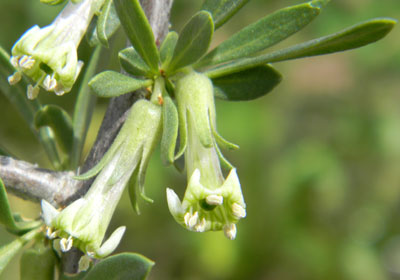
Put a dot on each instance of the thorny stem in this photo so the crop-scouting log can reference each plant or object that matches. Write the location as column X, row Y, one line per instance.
column 59, row 188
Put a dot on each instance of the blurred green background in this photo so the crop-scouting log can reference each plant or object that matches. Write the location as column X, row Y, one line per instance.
column 319, row 161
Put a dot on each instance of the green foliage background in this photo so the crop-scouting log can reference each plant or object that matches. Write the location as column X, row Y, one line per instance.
column 319, row 161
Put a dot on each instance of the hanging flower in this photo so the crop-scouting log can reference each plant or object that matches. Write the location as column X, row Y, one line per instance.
column 210, row 201
column 84, row 222
column 48, row 55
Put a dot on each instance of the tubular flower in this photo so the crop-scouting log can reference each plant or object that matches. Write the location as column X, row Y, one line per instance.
column 210, row 201
column 48, row 55
column 84, row 222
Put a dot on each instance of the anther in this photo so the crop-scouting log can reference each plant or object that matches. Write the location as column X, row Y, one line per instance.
column 193, row 220
column 32, row 92
column 14, row 78
column 230, row 231
column 214, row 199
column 26, row 62
column 66, row 244
column 238, row 211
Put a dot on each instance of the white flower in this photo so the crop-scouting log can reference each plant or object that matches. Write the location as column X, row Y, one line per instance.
column 84, row 222
column 48, row 55
column 210, row 201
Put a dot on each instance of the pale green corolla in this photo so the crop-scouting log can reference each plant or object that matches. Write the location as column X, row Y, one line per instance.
column 83, row 223
column 48, row 55
column 210, row 201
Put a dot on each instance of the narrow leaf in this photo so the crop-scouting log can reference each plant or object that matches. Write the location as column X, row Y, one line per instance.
column 27, row 108
column 8, row 219
column 353, row 37
column 350, row 38
column 111, row 84
column 7, row 252
column 38, row 263
column 138, row 30
column 60, row 123
column 83, row 111
column 125, row 266
column 132, row 62
column 246, row 85
column 168, row 46
column 170, row 131
column 262, row 34
column 222, row 10
column 107, row 22
column 193, row 41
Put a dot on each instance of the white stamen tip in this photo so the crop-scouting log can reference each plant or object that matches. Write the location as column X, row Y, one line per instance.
column 200, row 227
column 50, row 233
column 14, row 61
column 66, row 244
column 14, row 78
column 187, row 218
column 49, row 83
column 32, row 92
column 214, row 199
column 230, row 231
column 193, row 220
column 59, row 92
column 26, row 62
column 238, row 210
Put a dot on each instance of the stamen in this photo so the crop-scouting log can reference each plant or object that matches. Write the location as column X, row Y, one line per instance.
column 214, row 199
column 59, row 92
column 66, row 244
column 187, row 218
column 49, row 83
column 230, row 231
column 238, row 211
column 14, row 61
column 14, row 78
column 200, row 227
column 26, row 62
column 32, row 91
column 50, row 233
column 193, row 220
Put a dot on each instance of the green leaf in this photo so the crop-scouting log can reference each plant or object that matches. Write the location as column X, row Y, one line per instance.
column 59, row 122
column 4, row 151
column 125, row 266
column 353, row 37
column 222, row 10
column 262, row 34
column 27, row 108
column 168, row 46
column 132, row 62
column 193, row 41
column 170, row 131
column 8, row 251
column 138, row 30
column 7, row 218
column 107, row 22
column 83, row 111
column 111, row 84
column 246, row 85
column 350, row 38
column 37, row 263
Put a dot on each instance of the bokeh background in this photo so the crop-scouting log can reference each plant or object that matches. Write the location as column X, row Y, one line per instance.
column 319, row 161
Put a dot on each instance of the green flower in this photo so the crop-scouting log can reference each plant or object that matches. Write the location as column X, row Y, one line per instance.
column 84, row 222
column 48, row 55
column 210, row 201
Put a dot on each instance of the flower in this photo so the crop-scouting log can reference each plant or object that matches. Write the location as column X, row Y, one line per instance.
column 84, row 222
column 210, row 201
column 48, row 55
